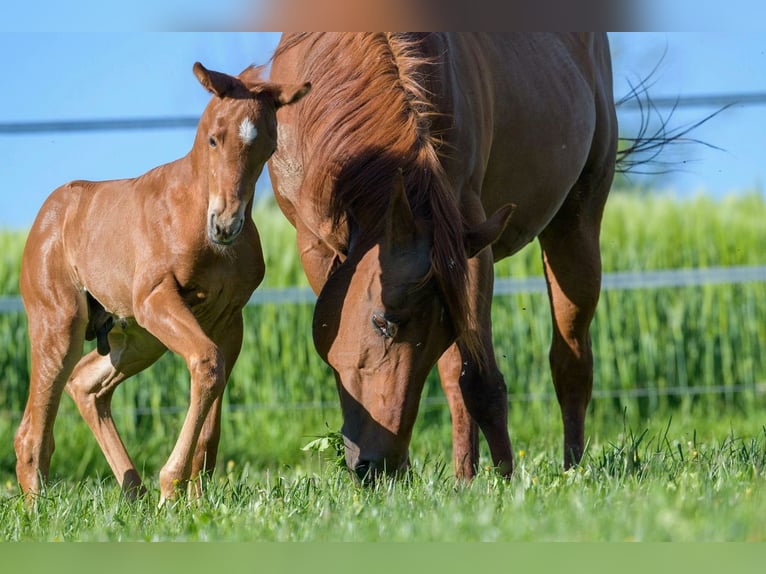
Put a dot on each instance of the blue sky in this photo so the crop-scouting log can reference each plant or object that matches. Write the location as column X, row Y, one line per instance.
column 69, row 76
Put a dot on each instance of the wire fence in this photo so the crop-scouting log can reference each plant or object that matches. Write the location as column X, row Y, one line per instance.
column 668, row 278
column 676, row 278
column 190, row 122
column 643, row 391
column 624, row 280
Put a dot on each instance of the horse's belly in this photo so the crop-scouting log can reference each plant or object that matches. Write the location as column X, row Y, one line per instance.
column 537, row 187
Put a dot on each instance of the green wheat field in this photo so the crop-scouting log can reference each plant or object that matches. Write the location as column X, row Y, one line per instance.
column 676, row 430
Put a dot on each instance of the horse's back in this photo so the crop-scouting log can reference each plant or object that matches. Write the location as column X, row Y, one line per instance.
column 517, row 118
column 541, row 111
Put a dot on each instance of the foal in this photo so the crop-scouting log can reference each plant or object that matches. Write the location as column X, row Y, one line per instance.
column 163, row 261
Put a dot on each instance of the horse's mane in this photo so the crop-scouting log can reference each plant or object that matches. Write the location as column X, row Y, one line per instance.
column 377, row 114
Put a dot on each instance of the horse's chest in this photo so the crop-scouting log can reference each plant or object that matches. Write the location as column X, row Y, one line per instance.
column 218, row 288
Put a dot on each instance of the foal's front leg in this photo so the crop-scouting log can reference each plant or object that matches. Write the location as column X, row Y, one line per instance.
column 206, row 452
column 162, row 312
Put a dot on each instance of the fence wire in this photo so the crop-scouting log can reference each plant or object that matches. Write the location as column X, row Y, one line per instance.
column 673, row 278
column 621, row 280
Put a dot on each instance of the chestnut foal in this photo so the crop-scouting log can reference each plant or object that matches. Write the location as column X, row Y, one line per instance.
column 164, row 261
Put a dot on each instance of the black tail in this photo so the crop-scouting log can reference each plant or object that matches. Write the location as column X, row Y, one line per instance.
column 642, row 154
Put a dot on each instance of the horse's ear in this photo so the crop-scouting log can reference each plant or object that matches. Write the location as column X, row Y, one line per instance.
column 400, row 223
column 489, row 231
column 214, row 82
column 286, row 95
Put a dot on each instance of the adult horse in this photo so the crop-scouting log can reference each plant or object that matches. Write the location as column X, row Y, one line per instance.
column 416, row 162
column 163, row 261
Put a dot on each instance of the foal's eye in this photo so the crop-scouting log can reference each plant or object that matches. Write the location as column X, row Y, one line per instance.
column 387, row 328
column 212, row 141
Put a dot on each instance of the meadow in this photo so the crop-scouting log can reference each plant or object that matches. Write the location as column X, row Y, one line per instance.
column 676, row 430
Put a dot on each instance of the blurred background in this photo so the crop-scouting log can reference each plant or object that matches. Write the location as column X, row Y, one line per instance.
column 113, row 105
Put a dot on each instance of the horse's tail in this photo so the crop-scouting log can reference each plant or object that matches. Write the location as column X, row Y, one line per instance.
column 642, row 154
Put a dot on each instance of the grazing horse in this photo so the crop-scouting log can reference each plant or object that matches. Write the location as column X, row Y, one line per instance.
column 416, row 162
column 163, row 261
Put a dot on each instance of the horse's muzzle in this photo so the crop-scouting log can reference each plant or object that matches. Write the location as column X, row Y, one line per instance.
column 369, row 469
column 223, row 232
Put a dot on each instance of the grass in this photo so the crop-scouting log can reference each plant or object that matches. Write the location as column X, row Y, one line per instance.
column 676, row 437
column 660, row 484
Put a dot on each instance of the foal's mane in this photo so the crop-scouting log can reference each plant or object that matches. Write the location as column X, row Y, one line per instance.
column 374, row 110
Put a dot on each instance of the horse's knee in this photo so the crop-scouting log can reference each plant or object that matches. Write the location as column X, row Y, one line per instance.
column 208, row 372
column 78, row 391
column 485, row 394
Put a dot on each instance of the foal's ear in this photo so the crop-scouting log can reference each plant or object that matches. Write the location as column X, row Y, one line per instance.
column 489, row 231
column 214, row 82
column 285, row 95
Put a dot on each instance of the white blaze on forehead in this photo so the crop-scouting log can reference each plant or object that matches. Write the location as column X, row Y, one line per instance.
column 247, row 131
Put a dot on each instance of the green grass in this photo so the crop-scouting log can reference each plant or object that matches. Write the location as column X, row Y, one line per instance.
column 693, row 355
column 664, row 483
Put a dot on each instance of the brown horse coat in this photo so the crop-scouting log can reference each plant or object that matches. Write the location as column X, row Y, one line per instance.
column 163, row 261
column 417, row 161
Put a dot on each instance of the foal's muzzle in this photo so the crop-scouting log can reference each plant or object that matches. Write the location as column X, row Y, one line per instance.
column 223, row 231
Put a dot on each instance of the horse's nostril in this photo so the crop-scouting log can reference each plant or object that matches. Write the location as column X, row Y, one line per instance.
column 222, row 232
column 362, row 470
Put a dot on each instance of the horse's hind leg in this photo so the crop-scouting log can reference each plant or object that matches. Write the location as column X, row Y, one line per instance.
column 465, row 431
column 572, row 262
column 56, row 331
column 91, row 386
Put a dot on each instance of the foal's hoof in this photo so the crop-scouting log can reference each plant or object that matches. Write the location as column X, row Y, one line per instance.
column 170, row 489
column 132, row 487
column 134, row 492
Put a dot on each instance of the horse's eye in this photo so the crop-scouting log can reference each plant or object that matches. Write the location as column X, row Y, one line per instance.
column 212, row 141
column 387, row 328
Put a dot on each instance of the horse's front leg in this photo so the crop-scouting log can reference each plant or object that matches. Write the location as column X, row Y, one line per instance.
column 481, row 383
column 206, row 452
column 162, row 312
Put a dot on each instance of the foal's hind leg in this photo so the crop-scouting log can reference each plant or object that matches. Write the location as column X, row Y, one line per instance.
column 57, row 323
column 572, row 262
column 91, row 386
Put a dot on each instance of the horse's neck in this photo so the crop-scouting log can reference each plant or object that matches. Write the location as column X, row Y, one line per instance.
column 176, row 186
column 189, row 183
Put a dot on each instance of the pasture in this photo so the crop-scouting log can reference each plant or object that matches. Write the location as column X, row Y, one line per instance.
column 676, row 432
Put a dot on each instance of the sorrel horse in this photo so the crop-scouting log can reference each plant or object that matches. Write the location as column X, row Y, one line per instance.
column 416, row 162
column 163, row 261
